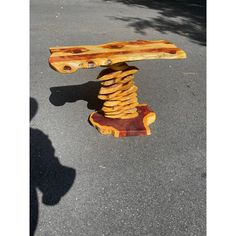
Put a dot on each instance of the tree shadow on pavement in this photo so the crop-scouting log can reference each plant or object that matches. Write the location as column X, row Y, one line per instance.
column 184, row 17
column 46, row 173
column 87, row 92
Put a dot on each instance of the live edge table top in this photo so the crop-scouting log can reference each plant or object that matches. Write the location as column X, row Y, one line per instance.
column 69, row 59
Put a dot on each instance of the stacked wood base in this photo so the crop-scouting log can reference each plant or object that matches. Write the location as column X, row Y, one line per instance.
column 119, row 91
column 121, row 114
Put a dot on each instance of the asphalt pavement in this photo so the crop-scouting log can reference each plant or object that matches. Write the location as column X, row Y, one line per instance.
column 84, row 183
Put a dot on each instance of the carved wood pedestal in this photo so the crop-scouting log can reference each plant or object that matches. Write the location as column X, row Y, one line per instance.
column 121, row 114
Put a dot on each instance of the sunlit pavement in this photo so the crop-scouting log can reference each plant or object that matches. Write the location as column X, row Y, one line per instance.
column 84, row 183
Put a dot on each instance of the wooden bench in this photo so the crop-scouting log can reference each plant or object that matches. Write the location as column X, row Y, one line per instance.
column 121, row 114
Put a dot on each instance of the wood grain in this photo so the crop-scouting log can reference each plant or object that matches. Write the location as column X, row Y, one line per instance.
column 120, row 96
column 69, row 59
column 132, row 126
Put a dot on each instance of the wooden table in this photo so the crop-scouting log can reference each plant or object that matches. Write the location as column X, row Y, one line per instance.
column 121, row 114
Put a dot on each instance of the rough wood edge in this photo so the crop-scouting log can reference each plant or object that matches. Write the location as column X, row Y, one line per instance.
column 109, row 130
column 68, row 60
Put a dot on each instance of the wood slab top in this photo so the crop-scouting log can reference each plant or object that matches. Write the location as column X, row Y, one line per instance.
column 71, row 58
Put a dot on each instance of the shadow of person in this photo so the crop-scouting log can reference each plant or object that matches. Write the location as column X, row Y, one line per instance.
column 87, row 92
column 46, row 173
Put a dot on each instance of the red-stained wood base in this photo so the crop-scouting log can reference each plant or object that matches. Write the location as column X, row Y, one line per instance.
column 138, row 126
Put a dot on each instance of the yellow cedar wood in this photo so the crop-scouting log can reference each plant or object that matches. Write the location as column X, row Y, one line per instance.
column 69, row 59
